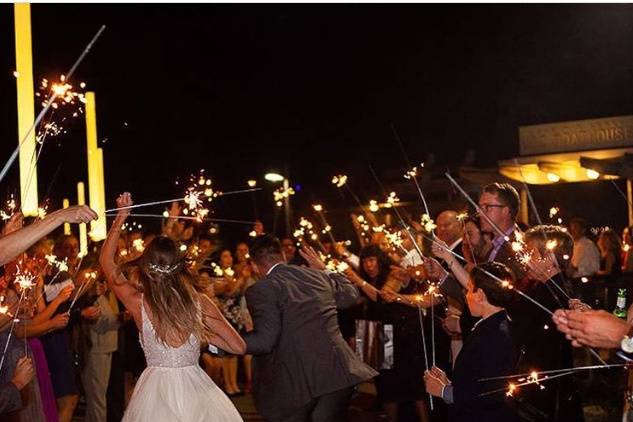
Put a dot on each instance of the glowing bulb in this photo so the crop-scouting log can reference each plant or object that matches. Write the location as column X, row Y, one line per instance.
column 553, row 177
column 252, row 183
column 317, row 207
column 592, row 174
column 551, row 244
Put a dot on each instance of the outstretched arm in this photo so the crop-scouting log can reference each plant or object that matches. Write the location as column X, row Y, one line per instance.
column 116, row 280
column 19, row 241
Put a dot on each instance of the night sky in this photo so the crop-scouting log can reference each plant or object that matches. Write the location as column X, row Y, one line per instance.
column 312, row 90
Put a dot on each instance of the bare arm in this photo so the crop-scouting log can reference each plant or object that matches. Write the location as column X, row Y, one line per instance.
column 49, row 310
column 19, row 241
column 116, row 280
column 223, row 335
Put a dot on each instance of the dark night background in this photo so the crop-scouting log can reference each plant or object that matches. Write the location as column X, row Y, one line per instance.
column 312, row 90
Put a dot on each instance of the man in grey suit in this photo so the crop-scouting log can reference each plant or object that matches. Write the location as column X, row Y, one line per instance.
column 303, row 370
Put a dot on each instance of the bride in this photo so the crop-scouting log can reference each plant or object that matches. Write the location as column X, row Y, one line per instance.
column 173, row 320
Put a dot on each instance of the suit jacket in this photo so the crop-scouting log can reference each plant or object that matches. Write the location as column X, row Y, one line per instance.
column 508, row 257
column 488, row 352
column 299, row 352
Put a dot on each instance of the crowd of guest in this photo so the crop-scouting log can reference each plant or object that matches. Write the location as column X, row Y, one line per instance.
column 433, row 318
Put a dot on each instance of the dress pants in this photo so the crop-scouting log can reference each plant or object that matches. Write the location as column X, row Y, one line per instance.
column 330, row 407
column 95, row 377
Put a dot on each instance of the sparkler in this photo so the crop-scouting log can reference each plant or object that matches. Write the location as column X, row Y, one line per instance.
column 340, row 180
column 184, row 217
column 11, row 207
column 535, row 374
column 282, row 193
column 168, row 201
column 327, row 229
column 418, row 300
column 512, row 387
column 48, row 105
column 15, row 319
column 476, row 206
column 63, row 97
column 507, row 284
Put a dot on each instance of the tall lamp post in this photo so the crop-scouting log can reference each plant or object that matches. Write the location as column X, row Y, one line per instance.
column 276, row 178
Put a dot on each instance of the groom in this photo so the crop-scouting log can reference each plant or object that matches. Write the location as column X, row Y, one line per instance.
column 303, row 369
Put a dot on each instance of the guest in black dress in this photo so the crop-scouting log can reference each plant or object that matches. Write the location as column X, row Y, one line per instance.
column 399, row 380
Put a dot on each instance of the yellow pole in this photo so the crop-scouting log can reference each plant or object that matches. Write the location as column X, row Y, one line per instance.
column 26, row 108
column 96, row 184
column 66, row 204
column 83, row 235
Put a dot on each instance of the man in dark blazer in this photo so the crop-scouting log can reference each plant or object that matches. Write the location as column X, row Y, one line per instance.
column 302, row 368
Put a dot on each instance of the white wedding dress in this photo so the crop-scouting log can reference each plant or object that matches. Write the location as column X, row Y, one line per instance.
column 173, row 387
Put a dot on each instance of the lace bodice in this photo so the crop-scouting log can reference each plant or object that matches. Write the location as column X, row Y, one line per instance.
column 162, row 355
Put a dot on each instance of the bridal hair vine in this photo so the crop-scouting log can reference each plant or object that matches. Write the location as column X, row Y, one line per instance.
column 164, row 269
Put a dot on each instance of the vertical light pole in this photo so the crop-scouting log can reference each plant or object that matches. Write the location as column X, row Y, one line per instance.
column 96, row 185
column 26, row 108
column 276, row 178
column 66, row 204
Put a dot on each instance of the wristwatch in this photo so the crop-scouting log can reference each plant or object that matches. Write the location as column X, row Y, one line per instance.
column 626, row 344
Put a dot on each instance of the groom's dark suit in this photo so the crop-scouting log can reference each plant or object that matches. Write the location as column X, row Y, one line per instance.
column 300, row 355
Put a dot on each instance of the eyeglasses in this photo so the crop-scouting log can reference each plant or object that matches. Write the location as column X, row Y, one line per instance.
column 486, row 207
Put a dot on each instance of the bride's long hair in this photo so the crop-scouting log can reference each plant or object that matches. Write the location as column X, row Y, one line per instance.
column 170, row 292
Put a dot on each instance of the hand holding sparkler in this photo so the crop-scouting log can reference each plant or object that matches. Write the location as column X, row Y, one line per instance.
column 435, row 381
column 58, row 322
column 434, row 269
column 441, row 250
column 578, row 305
column 594, row 328
column 542, row 268
column 76, row 214
column 91, row 313
column 64, row 295
column 124, row 203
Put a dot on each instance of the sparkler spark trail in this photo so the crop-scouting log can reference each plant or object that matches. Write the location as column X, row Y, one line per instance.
column 513, row 387
column 40, row 116
column 556, row 371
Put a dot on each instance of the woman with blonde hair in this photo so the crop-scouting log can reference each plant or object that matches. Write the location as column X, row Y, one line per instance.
column 174, row 320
